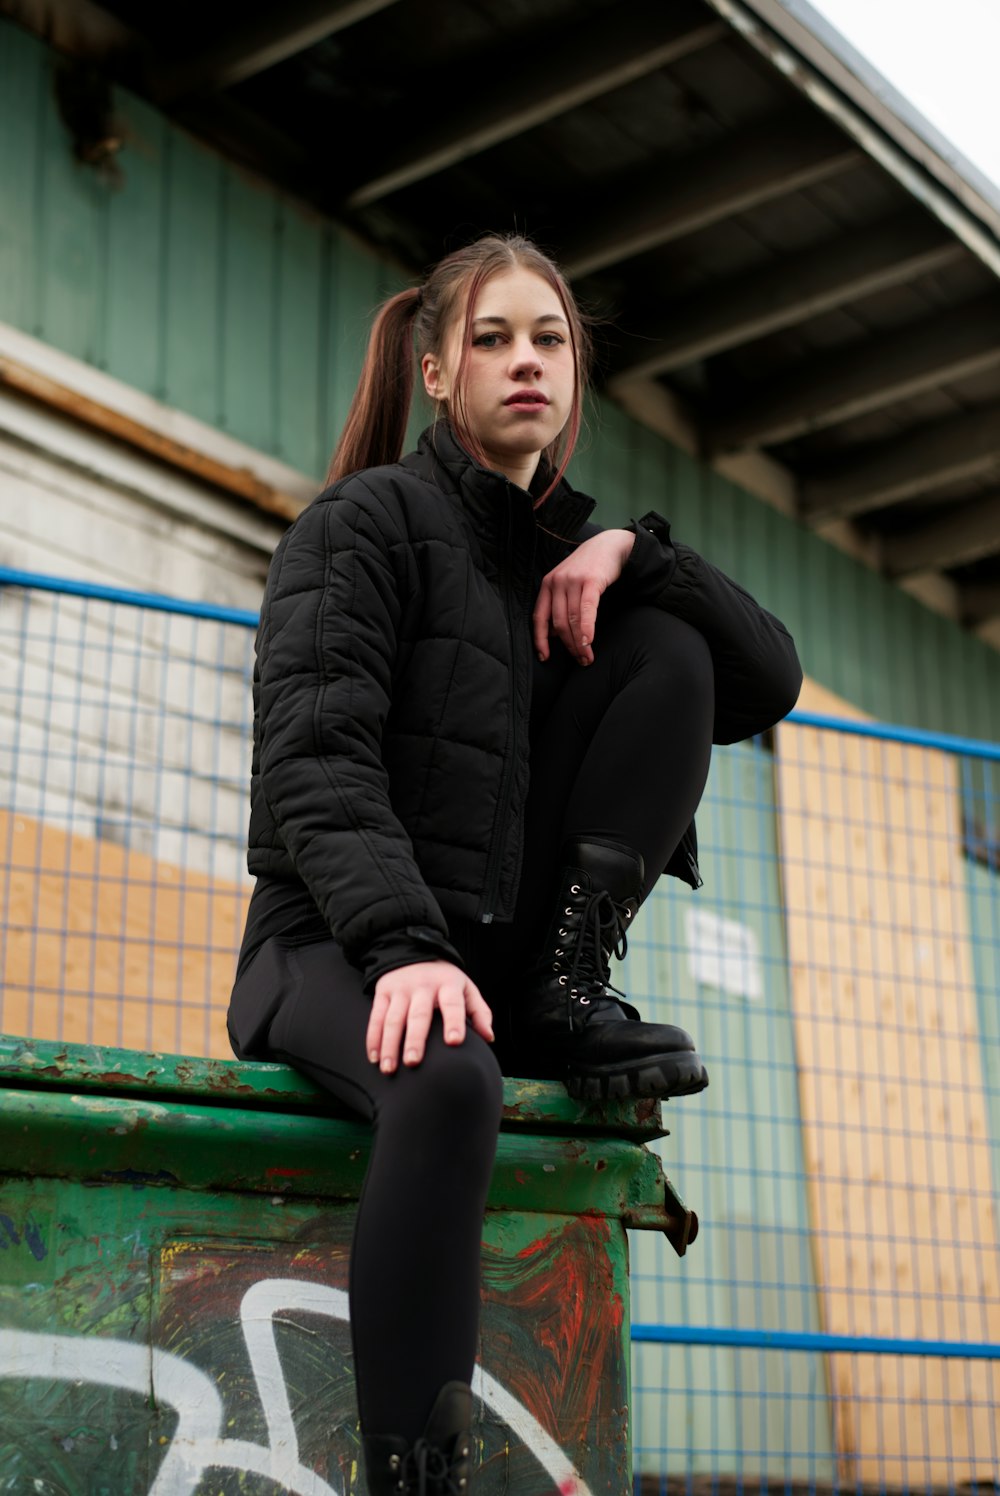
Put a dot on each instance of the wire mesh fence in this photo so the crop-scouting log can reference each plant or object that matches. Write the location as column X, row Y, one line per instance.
column 124, row 768
column 837, row 1324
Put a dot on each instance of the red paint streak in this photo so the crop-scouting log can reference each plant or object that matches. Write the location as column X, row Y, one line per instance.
column 287, row 1173
column 562, row 1319
column 540, row 1244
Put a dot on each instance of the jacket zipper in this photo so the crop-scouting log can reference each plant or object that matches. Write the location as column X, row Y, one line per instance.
column 507, row 783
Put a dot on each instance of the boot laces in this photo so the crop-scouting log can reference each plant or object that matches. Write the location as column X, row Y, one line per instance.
column 428, row 1472
column 603, row 924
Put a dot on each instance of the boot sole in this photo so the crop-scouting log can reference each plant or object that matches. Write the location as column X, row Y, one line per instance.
column 681, row 1074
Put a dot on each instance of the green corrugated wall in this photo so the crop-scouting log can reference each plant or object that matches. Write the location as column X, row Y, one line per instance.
column 215, row 293
column 188, row 280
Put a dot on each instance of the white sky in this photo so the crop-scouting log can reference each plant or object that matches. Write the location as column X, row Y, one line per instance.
column 943, row 55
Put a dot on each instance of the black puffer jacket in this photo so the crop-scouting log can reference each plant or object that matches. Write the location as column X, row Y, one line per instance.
column 392, row 686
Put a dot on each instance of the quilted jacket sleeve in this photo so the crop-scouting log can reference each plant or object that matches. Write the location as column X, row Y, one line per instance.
column 326, row 651
column 757, row 672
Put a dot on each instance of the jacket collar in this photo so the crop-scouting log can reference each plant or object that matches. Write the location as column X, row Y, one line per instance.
column 485, row 494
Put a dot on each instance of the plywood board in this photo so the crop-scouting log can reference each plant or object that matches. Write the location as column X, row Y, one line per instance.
column 894, row 1110
column 104, row 945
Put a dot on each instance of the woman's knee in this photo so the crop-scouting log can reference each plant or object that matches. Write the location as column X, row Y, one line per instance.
column 456, row 1090
column 668, row 646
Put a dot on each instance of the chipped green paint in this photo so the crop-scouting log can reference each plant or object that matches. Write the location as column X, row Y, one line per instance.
column 174, row 1245
column 88, row 1067
column 66, row 1134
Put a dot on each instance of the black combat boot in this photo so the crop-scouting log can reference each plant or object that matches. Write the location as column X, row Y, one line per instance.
column 438, row 1464
column 566, row 1024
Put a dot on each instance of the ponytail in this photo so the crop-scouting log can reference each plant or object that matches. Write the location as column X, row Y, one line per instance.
column 375, row 428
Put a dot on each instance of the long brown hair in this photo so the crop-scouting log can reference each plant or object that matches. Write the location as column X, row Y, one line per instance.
column 417, row 321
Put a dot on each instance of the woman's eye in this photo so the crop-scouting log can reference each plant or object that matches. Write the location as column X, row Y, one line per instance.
column 487, row 340
column 551, row 340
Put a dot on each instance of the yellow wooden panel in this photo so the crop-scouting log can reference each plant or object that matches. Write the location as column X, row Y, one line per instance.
column 892, row 1093
column 105, row 945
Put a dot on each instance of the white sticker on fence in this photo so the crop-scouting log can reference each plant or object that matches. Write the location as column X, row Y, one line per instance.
column 723, row 953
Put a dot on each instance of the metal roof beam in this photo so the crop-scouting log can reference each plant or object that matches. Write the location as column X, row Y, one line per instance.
column 964, row 532
column 592, row 59
column 263, row 43
column 80, row 28
column 979, row 603
column 678, row 197
column 865, row 377
column 856, row 264
column 916, row 462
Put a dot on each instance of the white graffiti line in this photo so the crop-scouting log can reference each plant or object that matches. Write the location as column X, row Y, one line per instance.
column 272, row 1295
column 260, row 1304
column 132, row 1368
column 530, row 1432
column 196, row 1446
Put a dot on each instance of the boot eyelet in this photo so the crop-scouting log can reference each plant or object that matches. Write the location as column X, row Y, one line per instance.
column 574, row 888
column 556, row 966
column 563, row 934
column 562, row 981
column 558, row 951
column 584, row 1002
column 394, row 1462
column 568, row 910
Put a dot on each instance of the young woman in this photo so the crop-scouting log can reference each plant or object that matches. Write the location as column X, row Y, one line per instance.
column 482, row 727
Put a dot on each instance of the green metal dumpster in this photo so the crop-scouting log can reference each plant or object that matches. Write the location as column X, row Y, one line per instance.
column 174, row 1239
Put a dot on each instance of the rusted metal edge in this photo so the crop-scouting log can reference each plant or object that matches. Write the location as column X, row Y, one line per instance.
column 240, row 482
column 668, row 1214
column 145, row 1143
column 39, row 1064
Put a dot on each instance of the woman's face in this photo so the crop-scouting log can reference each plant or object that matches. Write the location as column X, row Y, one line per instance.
column 520, row 374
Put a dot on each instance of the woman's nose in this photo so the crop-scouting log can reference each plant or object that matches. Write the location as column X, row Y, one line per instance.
column 525, row 358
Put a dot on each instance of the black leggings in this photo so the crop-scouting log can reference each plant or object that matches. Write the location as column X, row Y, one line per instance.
column 619, row 749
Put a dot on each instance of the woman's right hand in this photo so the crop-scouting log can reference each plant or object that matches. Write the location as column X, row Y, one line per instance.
column 405, row 1002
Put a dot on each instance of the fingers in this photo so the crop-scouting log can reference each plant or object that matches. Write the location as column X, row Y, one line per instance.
column 574, row 614
column 590, row 596
column 540, row 619
column 480, row 1013
column 392, row 1030
column 451, row 1001
column 570, row 594
column 403, row 1009
column 373, row 1036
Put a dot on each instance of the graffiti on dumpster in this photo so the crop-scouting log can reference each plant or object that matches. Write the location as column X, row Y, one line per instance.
column 29, row 1236
column 198, row 1444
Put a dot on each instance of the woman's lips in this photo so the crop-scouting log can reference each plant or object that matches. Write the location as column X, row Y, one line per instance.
column 525, row 401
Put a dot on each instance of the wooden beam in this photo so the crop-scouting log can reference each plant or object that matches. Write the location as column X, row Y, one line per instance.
column 979, row 603
column 280, row 32
column 585, row 62
column 915, row 462
column 677, row 197
column 966, row 531
column 237, row 481
column 79, row 28
column 791, row 290
column 866, row 376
